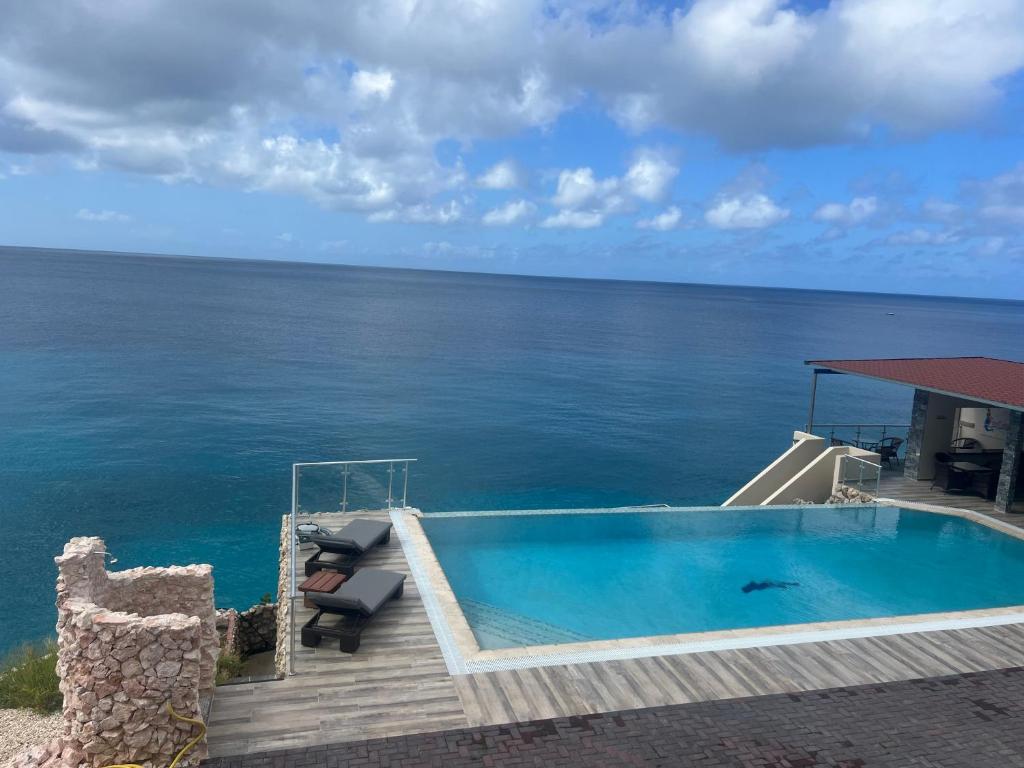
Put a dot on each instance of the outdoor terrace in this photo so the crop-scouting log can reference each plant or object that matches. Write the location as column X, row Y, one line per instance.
column 399, row 683
column 894, row 485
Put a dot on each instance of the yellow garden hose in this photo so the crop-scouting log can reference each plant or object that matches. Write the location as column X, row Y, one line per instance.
column 181, row 753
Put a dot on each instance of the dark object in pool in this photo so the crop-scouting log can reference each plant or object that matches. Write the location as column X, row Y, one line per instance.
column 759, row 585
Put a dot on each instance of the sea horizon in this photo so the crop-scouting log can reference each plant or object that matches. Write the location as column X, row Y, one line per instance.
column 641, row 281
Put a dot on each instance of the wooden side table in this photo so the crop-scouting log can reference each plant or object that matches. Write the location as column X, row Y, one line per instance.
column 321, row 581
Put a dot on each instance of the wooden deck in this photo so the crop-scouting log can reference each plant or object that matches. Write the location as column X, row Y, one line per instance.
column 524, row 694
column 894, row 485
column 398, row 682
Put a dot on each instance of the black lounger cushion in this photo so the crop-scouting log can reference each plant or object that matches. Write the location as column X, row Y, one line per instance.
column 355, row 538
column 364, row 593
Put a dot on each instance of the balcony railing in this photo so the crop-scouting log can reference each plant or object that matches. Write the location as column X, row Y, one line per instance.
column 365, row 484
column 861, row 474
column 862, row 435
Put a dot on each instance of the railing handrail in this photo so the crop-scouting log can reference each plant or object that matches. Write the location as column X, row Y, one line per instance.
column 836, row 424
column 354, row 461
column 862, row 461
column 851, row 457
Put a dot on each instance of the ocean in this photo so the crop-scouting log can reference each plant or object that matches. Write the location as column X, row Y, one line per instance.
column 160, row 402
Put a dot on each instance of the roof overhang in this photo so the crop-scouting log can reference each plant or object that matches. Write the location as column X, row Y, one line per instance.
column 982, row 380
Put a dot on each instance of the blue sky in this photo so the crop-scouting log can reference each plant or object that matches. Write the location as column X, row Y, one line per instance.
column 857, row 144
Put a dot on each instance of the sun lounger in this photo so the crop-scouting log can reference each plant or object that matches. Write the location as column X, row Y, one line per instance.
column 356, row 602
column 342, row 550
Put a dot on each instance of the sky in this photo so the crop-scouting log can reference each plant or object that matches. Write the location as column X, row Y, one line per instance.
column 855, row 144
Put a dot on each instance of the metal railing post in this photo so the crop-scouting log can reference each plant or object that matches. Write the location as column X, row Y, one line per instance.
column 391, row 479
column 292, row 535
column 344, row 488
column 405, row 485
column 810, row 406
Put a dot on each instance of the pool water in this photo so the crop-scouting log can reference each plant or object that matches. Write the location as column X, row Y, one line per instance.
column 528, row 579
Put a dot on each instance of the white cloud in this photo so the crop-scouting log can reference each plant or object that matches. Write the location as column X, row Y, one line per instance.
column 1001, row 198
column 747, row 211
column 510, row 213
column 567, row 219
column 373, row 84
column 849, row 214
column 579, row 187
column 86, row 214
column 578, row 190
column 503, row 175
column 664, row 221
column 992, row 246
column 286, row 237
column 940, row 210
column 389, row 82
column 920, row 236
column 422, row 213
column 650, row 176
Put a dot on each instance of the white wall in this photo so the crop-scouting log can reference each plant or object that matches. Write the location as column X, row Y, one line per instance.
column 815, row 481
column 972, row 424
column 939, row 428
column 804, row 449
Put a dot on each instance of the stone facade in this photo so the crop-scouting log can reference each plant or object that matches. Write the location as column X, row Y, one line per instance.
column 129, row 644
column 918, row 419
column 248, row 632
column 283, row 602
column 1010, row 470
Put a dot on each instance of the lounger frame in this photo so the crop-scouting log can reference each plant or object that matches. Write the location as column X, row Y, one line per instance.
column 346, row 562
column 347, row 632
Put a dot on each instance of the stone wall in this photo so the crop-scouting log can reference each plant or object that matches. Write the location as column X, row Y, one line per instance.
column 129, row 644
column 1010, row 470
column 283, row 602
column 845, row 494
column 177, row 589
column 248, row 632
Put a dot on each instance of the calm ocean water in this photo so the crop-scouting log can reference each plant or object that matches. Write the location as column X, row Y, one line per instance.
column 160, row 402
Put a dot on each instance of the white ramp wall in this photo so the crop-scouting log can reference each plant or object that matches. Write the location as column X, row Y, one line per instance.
column 805, row 449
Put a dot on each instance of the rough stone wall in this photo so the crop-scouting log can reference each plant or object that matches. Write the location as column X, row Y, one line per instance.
column 845, row 494
column 1009, row 473
column 184, row 589
column 250, row 631
column 227, row 629
column 918, row 419
column 257, row 630
column 126, row 651
column 283, row 602
column 118, row 672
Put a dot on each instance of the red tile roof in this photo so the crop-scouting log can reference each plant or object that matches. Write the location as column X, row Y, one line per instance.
column 984, row 379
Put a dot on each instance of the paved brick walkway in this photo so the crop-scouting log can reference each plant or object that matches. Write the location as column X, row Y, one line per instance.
column 974, row 721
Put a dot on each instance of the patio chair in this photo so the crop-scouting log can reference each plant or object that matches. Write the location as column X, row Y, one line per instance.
column 965, row 444
column 887, row 449
column 949, row 478
column 834, row 441
column 356, row 602
column 342, row 550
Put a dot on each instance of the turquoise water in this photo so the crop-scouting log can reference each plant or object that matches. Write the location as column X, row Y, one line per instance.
column 160, row 402
column 533, row 579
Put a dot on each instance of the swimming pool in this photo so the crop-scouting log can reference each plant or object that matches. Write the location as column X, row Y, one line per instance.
column 577, row 576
